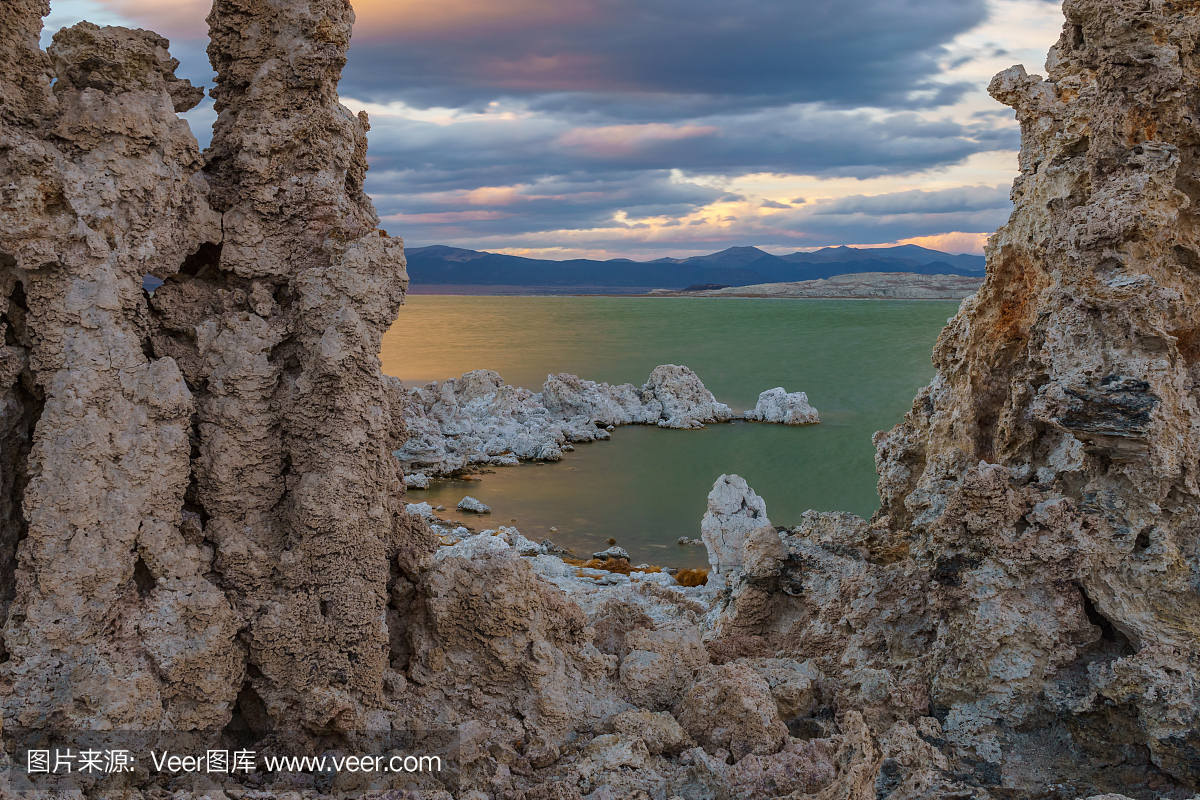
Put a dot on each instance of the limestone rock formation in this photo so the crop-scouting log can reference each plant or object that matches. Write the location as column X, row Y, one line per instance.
column 200, row 499
column 730, row 707
column 499, row 644
column 612, row 552
column 100, row 565
column 735, row 529
column 469, row 503
column 1031, row 580
column 478, row 419
column 658, row 665
column 776, row 405
column 417, row 480
column 658, row 730
column 685, row 402
column 1047, row 477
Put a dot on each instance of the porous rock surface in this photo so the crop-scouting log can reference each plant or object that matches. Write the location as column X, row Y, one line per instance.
column 208, row 505
column 1047, row 479
column 1030, row 584
column 202, row 523
column 469, row 503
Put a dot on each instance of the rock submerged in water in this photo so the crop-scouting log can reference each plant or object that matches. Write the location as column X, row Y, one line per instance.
column 777, row 405
column 685, row 402
column 469, row 503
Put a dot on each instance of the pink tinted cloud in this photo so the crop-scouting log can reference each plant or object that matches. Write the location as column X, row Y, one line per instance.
column 492, row 196
column 558, row 72
column 616, row 141
column 447, row 217
column 402, row 19
column 175, row 19
column 506, row 196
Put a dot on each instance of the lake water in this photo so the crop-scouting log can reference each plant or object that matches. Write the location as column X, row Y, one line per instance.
column 860, row 361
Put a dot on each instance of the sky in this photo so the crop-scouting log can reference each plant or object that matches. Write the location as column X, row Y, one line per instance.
column 650, row 128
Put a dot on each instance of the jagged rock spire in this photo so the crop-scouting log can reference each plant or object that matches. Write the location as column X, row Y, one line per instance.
column 201, row 510
column 1048, row 475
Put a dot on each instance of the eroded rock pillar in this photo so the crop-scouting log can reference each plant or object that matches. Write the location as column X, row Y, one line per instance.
column 278, row 325
column 111, row 621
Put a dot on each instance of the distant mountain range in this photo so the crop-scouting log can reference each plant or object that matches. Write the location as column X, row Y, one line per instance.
column 737, row 266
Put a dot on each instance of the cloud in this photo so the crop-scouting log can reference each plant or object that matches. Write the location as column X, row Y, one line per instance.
column 667, row 125
column 901, row 215
column 548, row 175
column 414, row 156
column 953, row 242
column 617, row 141
column 183, row 19
column 394, row 18
column 758, row 52
column 549, row 204
column 445, row 217
column 957, row 200
column 649, row 212
column 646, row 60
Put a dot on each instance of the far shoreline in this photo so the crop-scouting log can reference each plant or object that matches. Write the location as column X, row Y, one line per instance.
column 700, row 297
column 849, row 286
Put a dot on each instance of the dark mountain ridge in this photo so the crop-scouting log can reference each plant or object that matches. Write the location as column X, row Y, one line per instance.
column 735, row 266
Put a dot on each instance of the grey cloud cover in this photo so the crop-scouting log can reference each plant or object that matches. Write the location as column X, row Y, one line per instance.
column 818, row 87
column 419, row 157
column 825, row 88
column 845, row 53
column 945, row 201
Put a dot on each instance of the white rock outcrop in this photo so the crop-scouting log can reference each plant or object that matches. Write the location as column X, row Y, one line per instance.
column 612, row 552
column 478, row 419
column 416, row 481
column 685, row 402
column 469, row 503
column 739, row 536
column 777, row 405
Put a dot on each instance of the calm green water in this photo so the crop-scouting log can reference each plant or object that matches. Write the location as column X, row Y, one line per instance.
column 860, row 361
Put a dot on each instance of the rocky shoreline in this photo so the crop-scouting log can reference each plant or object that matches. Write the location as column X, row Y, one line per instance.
column 478, row 420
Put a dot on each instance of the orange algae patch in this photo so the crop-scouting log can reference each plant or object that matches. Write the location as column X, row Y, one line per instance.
column 617, row 565
column 691, row 577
